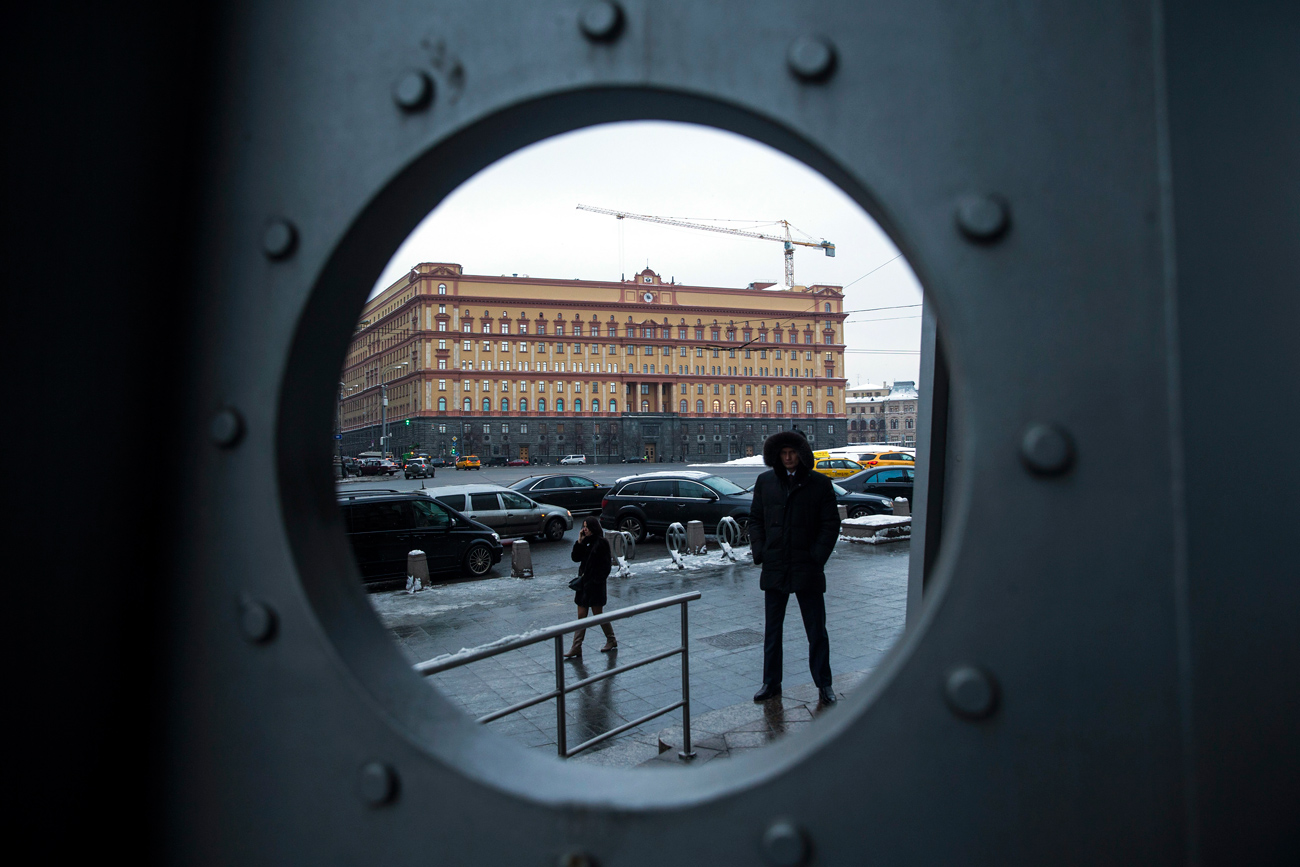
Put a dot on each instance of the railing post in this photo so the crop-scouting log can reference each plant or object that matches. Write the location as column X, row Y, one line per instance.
column 687, row 752
column 560, row 739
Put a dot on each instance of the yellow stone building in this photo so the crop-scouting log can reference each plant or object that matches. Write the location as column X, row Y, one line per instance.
column 539, row 368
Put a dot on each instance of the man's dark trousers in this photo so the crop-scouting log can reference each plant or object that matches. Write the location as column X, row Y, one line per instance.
column 812, row 605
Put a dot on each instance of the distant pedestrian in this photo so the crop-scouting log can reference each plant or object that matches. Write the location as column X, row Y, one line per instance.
column 591, row 551
column 794, row 524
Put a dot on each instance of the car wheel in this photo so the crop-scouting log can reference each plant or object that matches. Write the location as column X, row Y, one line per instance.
column 743, row 523
column 478, row 560
column 634, row 525
column 860, row 512
column 554, row 530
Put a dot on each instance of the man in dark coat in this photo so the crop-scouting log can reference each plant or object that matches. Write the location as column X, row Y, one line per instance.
column 794, row 524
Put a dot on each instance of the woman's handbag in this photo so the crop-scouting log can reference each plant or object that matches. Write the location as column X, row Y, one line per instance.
column 575, row 583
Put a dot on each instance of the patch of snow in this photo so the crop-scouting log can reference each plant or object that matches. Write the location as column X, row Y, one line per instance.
column 878, row 520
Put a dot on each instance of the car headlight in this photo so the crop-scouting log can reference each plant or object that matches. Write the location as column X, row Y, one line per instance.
column 567, row 512
column 496, row 537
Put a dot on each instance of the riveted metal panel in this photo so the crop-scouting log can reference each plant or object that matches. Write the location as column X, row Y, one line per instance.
column 1042, row 706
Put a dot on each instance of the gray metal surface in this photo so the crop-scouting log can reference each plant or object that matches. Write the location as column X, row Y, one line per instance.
column 1100, row 200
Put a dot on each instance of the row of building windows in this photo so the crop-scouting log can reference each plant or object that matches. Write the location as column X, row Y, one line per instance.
column 595, row 405
column 731, row 335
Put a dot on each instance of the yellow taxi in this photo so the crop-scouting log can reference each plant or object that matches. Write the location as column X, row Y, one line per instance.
column 837, row 468
column 468, row 462
column 885, row 458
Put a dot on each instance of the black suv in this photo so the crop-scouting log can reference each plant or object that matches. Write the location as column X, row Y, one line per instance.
column 650, row 502
column 383, row 526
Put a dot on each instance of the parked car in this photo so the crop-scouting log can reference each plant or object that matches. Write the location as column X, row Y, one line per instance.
column 383, row 526
column 518, row 462
column 837, row 468
column 497, row 461
column 573, row 459
column 890, row 481
column 650, row 502
column 468, row 462
column 508, row 512
column 887, row 458
column 858, row 505
column 578, row 494
column 640, row 460
column 437, row 462
column 418, row 468
column 351, row 467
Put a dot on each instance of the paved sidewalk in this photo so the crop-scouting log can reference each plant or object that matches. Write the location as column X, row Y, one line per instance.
column 865, row 603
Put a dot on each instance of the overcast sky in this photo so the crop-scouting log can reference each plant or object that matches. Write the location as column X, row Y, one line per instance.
column 518, row 216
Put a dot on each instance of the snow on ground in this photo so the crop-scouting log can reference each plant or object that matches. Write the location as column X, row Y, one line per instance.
column 696, row 562
column 878, row 520
column 399, row 608
column 753, row 461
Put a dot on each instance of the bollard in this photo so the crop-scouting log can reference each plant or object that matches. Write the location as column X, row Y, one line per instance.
column 616, row 542
column 695, row 537
column 728, row 537
column 844, row 512
column 622, row 547
column 417, row 571
column 902, row 508
column 521, row 560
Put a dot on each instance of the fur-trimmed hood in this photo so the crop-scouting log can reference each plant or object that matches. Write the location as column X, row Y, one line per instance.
column 782, row 439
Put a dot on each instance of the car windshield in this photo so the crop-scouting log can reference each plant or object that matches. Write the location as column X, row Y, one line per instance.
column 723, row 486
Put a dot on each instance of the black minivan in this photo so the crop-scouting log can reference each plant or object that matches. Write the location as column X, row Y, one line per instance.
column 384, row 526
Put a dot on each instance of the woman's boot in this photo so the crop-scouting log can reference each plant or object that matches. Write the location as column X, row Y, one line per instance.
column 576, row 648
column 611, row 643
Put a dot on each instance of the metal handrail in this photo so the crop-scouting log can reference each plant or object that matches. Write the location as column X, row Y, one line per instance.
column 556, row 633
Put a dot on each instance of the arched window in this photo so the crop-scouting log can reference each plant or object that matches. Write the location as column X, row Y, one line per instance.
column 505, row 404
column 830, row 408
column 541, row 404
column 893, row 424
column 749, row 406
column 523, row 404
column 908, row 424
column 487, row 404
column 780, row 407
column 577, row 404
column 808, row 407
column 762, row 407
column 559, row 404
column 595, row 405
column 442, row 403
column 717, row 406
column 731, row 406
column 699, row 406
column 467, row 405
column 645, row 406
column 681, row 407
column 794, row 407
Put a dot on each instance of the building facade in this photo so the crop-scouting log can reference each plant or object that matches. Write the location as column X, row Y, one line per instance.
column 883, row 413
column 511, row 367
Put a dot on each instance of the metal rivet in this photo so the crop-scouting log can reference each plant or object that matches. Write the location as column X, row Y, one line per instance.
column 576, row 859
column 256, row 620
column 413, row 91
column 983, row 218
column 811, row 58
column 378, row 784
column 1046, row 450
column 601, row 22
column 226, row 428
column 785, row 844
column 279, row 239
column 971, row 693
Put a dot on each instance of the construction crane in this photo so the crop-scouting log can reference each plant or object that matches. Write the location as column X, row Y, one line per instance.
column 789, row 242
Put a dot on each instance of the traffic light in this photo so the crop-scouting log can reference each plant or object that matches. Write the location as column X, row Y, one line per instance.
column 408, row 422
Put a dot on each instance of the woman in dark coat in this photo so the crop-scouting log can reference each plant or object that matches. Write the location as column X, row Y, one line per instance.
column 592, row 552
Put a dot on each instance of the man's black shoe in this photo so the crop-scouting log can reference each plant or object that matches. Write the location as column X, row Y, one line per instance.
column 769, row 690
column 827, row 694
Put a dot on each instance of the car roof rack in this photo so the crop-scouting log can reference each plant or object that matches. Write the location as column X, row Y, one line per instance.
column 371, row 492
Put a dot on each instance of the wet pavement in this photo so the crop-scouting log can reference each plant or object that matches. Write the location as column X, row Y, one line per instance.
column 865, row 603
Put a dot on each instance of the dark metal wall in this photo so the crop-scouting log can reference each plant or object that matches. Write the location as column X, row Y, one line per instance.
column 1101, row 203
